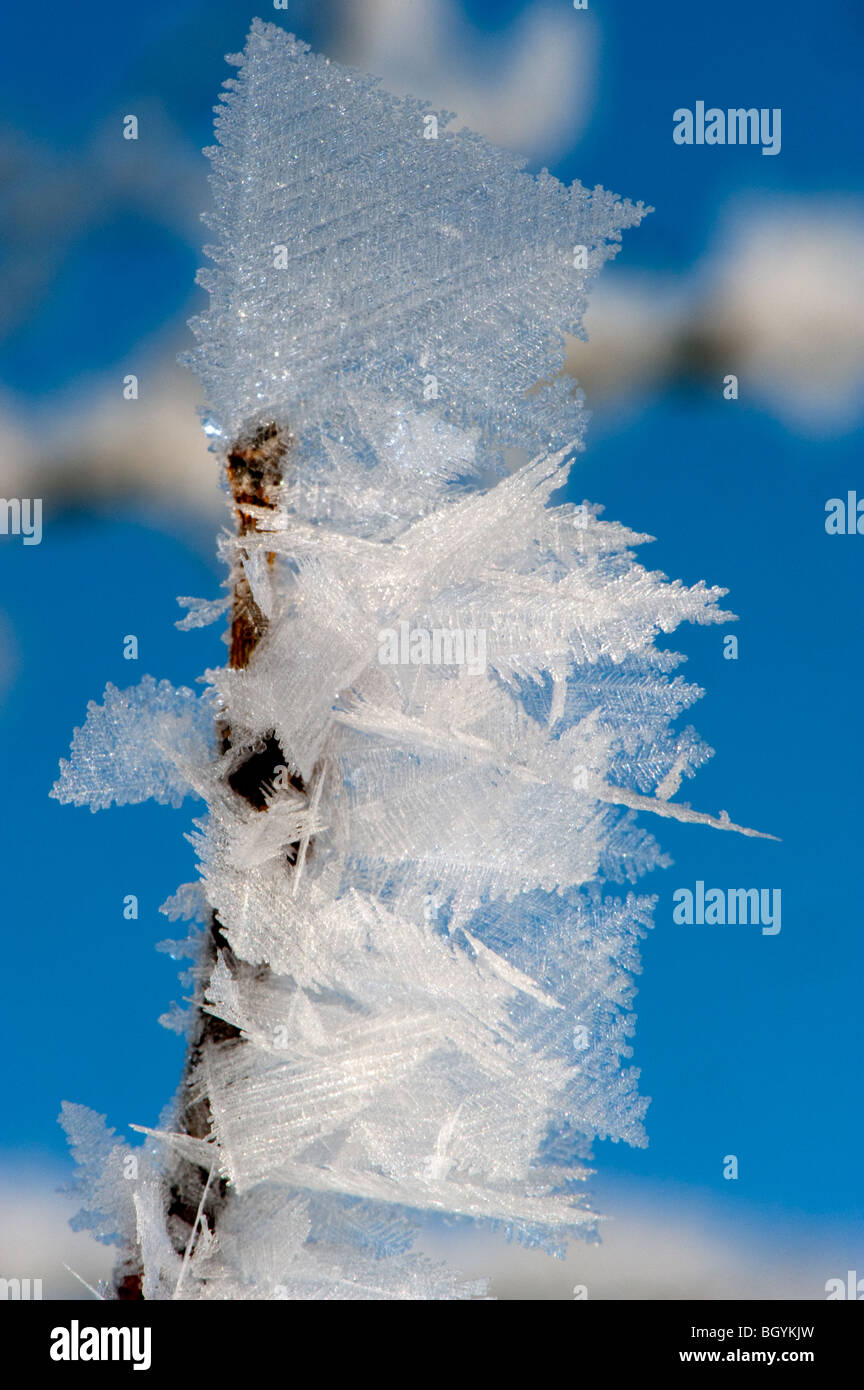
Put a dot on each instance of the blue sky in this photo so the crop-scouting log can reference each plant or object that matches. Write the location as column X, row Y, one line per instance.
column 748, row 1044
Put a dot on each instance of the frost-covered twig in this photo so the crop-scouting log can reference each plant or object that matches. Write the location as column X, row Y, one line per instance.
column 443, row 708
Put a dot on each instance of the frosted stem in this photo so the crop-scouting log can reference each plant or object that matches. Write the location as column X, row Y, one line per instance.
column 254, row 471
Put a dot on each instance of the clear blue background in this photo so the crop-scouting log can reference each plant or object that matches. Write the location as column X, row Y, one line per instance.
column 748, row 1044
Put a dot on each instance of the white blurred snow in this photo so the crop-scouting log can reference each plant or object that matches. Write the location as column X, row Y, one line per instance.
column 530, row 89
column 662, row 1244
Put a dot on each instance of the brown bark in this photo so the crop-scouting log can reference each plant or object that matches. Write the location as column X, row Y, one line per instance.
column 255, row 468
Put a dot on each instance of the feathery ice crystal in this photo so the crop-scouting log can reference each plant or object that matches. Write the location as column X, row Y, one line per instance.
column 442, row 712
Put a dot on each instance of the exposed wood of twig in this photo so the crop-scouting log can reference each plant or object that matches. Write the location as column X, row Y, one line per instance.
column 255, row 468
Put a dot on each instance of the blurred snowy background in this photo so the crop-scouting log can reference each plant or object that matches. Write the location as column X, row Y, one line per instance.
column 749, row 265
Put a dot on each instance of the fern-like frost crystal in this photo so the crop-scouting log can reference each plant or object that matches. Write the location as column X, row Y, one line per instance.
column 423, row 768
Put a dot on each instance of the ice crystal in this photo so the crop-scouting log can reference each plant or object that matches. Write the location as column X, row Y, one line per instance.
column 133, row 746
column 355, row 253
column 456, row 711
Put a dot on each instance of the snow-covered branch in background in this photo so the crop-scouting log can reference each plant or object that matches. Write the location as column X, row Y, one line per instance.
column 442, row 713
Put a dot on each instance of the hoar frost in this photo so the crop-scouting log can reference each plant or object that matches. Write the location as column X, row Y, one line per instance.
column 410, row 987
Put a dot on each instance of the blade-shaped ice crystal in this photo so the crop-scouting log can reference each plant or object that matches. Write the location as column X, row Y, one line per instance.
column 356, row 253
column 133, row 747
